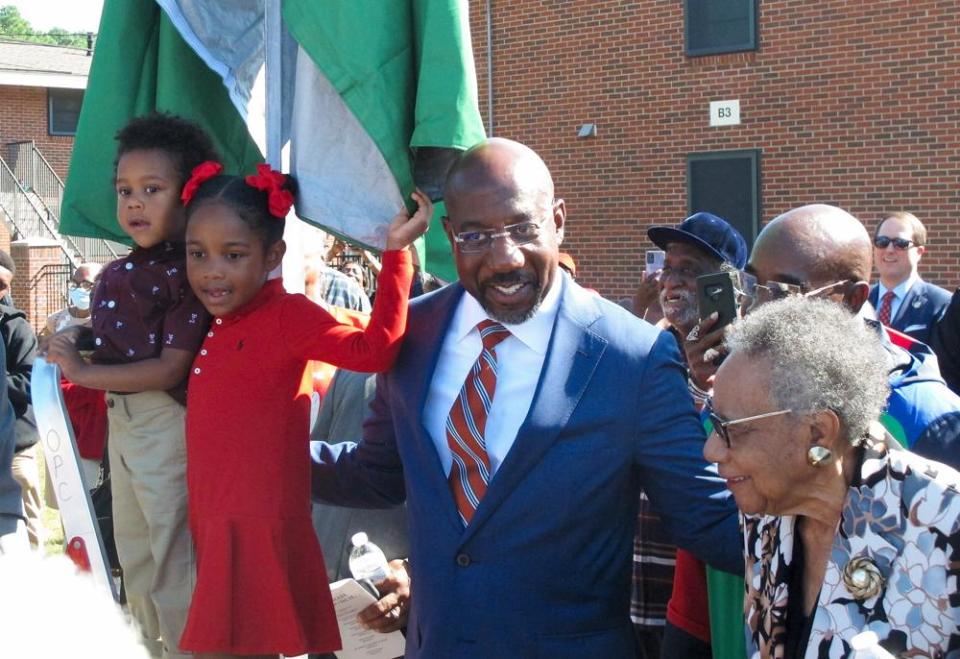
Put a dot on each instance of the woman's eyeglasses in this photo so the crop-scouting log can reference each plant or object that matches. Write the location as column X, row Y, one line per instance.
column 720, row 424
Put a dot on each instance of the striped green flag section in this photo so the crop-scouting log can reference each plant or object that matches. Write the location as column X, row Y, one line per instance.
column 385, row 95
column 141, row 64
column 378, row 96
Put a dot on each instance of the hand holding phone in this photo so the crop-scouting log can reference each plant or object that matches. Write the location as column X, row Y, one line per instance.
column 716, row 292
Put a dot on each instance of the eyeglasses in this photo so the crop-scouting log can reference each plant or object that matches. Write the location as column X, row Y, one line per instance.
column 778, row 290
column 882, row 242
column 473, row 242
column 85, row 285
column 720, row 424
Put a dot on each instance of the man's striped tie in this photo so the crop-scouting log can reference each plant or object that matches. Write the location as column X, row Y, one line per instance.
column 886, row 306
column 467, row 423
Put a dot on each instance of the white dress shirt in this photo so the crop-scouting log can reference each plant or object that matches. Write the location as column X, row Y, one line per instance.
column 519, row 364
column 899, row 292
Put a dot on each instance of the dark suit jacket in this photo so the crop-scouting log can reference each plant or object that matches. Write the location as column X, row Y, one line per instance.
column 341, row 416
column 543, row 569
column 922, row 306
column 945, row 341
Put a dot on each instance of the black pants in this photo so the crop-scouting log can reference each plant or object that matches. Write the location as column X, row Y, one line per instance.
column 678, row 644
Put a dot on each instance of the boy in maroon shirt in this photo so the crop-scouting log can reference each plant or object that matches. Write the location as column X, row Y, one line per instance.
column 147, row 326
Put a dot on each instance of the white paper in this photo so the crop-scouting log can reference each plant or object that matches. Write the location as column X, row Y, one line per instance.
column 349, row 598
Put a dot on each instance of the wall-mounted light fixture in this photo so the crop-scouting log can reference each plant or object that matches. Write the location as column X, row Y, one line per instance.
column 587, row 130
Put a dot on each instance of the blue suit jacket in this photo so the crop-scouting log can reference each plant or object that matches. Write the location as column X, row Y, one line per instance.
column 544, row 567
column 923, row 305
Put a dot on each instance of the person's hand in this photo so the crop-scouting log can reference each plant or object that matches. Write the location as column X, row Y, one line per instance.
column 390, row 612
column 61, row 350
column 404, row 229
column 43, row 340
column 648, row 290
column 703, row 348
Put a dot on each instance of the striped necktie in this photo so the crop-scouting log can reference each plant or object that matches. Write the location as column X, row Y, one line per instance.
column 467, row 423
column 885, row 307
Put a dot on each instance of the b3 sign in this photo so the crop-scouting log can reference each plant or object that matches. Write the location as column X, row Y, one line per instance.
column 725, row 113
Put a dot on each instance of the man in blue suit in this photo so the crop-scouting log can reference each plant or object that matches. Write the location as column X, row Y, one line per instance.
column 902, row 299
column 590, row 405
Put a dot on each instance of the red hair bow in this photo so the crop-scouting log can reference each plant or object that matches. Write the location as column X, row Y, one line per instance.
column 200, row 174
column 270, row 181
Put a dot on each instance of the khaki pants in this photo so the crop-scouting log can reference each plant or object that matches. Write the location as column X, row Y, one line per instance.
column 91, row 478
column 148, row 461
column 26, row 472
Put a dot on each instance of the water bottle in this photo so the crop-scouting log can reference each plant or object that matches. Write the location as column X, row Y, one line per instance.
column 367, row 561
column 866, row 645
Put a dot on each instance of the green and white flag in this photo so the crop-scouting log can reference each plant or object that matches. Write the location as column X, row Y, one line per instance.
column 375, row 96
column 141, row 64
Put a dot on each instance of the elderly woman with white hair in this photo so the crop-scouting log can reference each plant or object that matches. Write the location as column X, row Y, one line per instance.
column 843, row 532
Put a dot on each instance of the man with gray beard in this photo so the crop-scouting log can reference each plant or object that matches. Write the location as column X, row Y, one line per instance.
column 702, row 244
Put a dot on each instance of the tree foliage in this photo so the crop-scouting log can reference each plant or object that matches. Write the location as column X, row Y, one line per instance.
column 16, row 27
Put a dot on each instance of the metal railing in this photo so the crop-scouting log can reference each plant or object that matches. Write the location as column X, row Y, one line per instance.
column 23, row 214
column 35, row 174
column 48, row 292
column 38, row 178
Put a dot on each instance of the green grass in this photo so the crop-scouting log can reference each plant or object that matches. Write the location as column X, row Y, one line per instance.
column 53, row 544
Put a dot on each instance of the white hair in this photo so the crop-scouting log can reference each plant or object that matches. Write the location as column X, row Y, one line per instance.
column 822, row 358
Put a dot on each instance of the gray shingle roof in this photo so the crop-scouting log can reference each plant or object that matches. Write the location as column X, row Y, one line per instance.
column 37, row 58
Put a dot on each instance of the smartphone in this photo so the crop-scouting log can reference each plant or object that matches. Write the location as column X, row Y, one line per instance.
column 654, row 260
column 717, row 292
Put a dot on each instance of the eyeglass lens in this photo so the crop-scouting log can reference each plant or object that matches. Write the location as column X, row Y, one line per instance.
column 900, row 243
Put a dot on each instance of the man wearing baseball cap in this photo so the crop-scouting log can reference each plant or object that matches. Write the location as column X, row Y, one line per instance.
column 702, row 244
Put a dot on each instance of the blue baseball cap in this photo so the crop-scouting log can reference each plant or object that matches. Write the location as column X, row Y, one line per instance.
column 712, row 234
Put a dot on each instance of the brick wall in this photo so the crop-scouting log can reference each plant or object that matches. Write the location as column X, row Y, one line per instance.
column 23, row 116
column 39, row 284
column 853, row 104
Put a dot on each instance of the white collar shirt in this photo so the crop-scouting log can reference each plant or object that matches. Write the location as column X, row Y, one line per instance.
column 520, row 360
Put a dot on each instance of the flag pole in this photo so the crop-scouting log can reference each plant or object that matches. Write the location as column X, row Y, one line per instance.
column 274, row 81
column 293, row 262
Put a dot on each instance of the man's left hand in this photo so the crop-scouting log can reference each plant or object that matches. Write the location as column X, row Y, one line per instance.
column 390, row 612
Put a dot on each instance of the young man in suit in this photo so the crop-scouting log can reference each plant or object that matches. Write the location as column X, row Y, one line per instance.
column 521, row 462
column 902, row 299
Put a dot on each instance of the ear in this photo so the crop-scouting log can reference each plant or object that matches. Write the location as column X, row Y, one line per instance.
column 856, row 295
column 825, row 430
column 447, row 229
column 920, row 250
column 559, row 218
column 275, row 254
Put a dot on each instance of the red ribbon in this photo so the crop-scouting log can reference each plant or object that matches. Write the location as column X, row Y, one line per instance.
column 270, row 181
column 200, row 174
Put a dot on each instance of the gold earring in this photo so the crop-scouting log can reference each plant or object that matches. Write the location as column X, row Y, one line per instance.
column 817, row 455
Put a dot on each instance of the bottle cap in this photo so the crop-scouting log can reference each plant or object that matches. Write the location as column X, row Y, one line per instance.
column 359, row 539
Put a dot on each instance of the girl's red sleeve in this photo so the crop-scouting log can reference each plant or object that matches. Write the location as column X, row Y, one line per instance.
column 311, row 332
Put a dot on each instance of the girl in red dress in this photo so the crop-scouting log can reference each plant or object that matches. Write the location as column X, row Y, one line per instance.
column 261, row 582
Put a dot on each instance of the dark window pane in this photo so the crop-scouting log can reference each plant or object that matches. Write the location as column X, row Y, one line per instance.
column 719, row 26
column 726, row 184
column 64, row 110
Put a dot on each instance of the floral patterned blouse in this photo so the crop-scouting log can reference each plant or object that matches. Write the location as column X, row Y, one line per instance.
column 893, row 569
